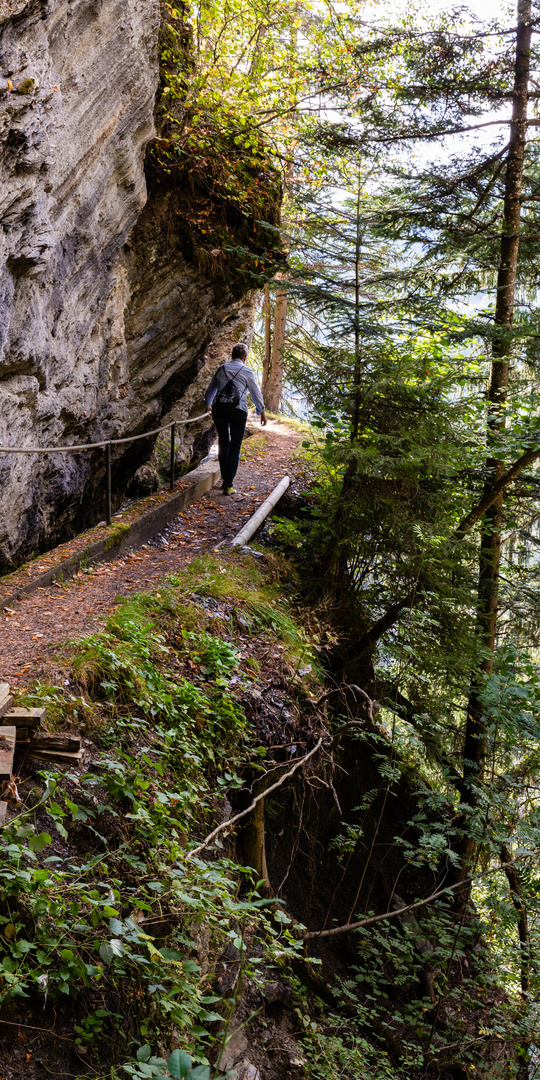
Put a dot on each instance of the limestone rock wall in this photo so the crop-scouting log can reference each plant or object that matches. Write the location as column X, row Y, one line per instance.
column 104, row 323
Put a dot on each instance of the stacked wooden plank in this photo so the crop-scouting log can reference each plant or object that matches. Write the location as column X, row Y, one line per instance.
column 50, row 746
column 6, row 698
column 8, row 737
column 20, row 731
column 7, row 744
column 27, row 721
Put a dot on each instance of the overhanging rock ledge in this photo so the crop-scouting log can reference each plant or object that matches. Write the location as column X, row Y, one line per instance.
column 107, row 328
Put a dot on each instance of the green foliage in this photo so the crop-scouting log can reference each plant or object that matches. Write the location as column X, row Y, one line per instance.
column 261, row 604
column 215, row 656
column 188, row 721
column 179, row 1066
column 208, row 149
column 335, row 1050
column 100, row 898
column 285, row 533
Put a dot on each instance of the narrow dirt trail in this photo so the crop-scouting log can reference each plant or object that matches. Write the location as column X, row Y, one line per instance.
column 58, row 613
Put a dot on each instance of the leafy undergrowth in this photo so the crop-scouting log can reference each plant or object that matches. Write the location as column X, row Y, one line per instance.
column 107, row 919
column 133, row 941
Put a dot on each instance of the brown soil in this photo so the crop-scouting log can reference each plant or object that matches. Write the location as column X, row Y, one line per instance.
column 31, row 631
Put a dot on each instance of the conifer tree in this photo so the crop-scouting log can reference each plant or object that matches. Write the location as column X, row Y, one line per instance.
column 464, row 228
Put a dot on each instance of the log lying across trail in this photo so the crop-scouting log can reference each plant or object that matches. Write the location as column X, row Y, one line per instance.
column 254, row 523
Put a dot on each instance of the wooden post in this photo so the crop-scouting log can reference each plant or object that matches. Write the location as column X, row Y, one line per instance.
column 173, row 432
column 108, row 481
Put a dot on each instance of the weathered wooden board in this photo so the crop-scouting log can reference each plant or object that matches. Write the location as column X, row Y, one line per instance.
column 6, row 699
column 8, row 736
column 68, row 744
column 24, row 717
column 57, row 757
column 3, row 813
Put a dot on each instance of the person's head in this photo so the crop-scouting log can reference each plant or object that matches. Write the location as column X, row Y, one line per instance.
column 240, row 352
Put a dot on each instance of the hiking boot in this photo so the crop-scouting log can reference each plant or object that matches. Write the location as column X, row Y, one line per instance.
column 229, row 490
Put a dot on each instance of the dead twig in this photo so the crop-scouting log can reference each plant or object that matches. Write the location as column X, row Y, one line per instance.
column 357, row 691
column 308, row 935
column 31, row 1027
column 262, row 795
column 340, row 689
column 343, row 731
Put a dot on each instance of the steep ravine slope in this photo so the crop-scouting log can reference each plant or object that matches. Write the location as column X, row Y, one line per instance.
column 129, row 928
column 103, row 329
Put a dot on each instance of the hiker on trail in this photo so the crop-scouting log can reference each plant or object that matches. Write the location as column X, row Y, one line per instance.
column 226, row 396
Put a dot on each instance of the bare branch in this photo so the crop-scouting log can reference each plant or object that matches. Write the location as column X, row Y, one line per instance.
column 309, row 935
column 347, row 686
column 263, row 794
column 386, row 621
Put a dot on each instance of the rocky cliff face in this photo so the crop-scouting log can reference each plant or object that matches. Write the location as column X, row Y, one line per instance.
column 104, row 321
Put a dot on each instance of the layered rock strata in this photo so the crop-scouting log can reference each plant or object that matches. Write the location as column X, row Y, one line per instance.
column 105, row 324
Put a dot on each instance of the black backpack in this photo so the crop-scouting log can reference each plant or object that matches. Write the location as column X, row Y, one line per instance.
column 228, row 398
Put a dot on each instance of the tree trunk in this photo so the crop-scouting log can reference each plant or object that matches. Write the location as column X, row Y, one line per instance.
column 516, row 893
column 267, row 333
column 340, row 551
column 357, row 358
column 267, row 357
column 474, row 753
column 272, row 382
column 253, row 845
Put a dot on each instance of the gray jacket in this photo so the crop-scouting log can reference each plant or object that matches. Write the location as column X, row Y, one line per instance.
column 244, row 382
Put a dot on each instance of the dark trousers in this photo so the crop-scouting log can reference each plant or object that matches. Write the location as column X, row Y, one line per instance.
column 230, row 431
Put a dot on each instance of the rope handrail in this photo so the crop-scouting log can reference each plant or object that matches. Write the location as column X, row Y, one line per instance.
column 106, row 445
column 96, row 445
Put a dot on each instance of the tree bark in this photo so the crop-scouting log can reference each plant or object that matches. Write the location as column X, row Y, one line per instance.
column 474, row 752
column 357, row 357
column 252, row 843
column 272, row 382
column 267, row 333
column 516, row 892
column 338, row 557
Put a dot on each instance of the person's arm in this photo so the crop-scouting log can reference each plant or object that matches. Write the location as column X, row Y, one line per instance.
column 256, row 395
column 211, row 391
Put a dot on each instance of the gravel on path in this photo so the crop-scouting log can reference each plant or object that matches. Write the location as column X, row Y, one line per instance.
column 32, row 630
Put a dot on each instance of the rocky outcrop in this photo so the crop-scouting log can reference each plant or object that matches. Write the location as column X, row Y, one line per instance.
column 105, row 321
